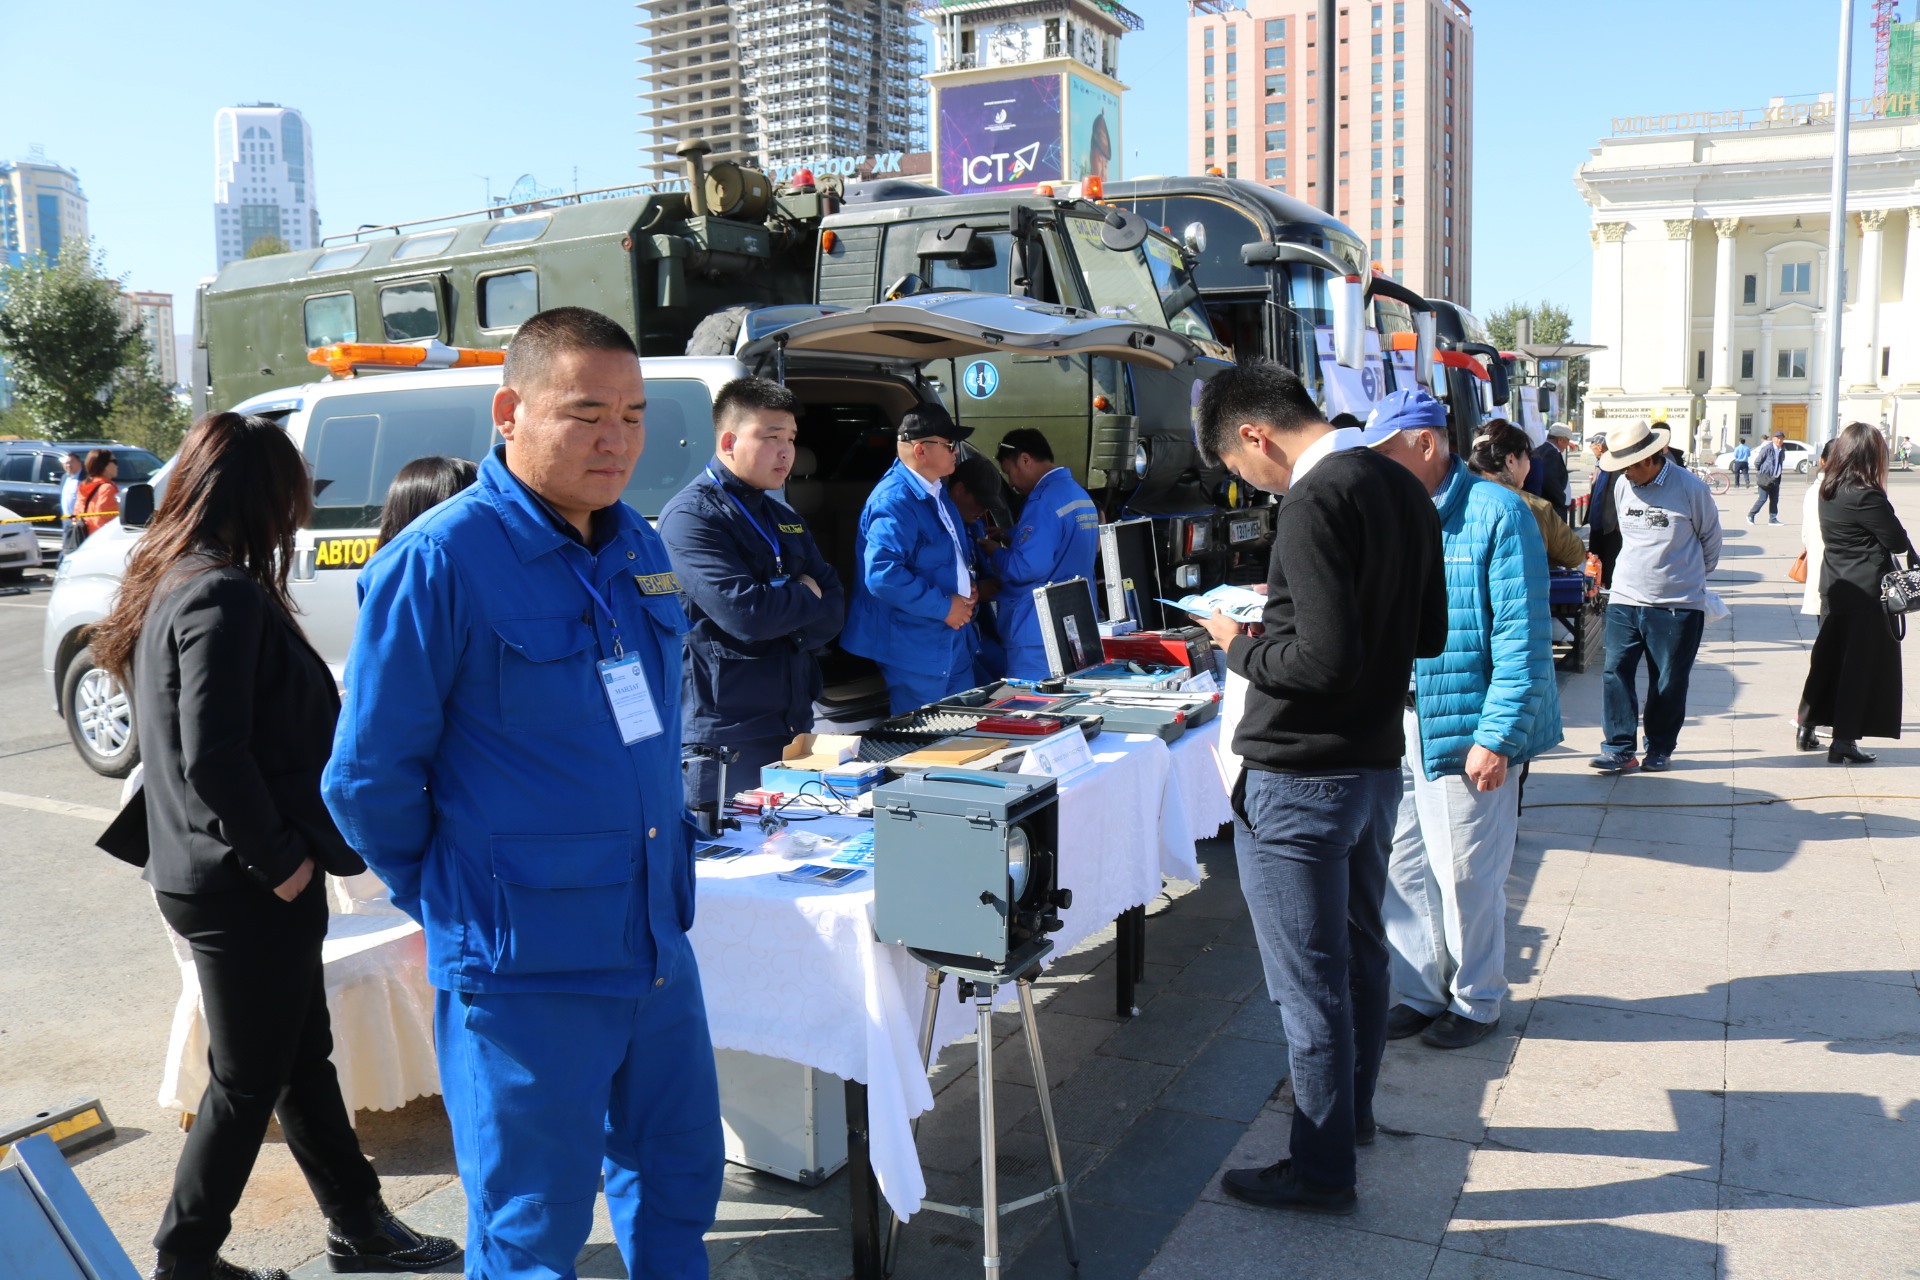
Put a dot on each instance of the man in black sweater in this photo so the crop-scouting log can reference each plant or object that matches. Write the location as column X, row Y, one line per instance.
column 1355, row 591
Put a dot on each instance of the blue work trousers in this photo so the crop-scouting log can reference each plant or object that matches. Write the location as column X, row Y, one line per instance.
column 1668, row 639
column 912, row 686
column 1312, row 849
column 547, row 1092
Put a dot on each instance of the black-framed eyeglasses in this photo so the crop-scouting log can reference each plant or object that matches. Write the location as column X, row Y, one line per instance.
column 948, row 445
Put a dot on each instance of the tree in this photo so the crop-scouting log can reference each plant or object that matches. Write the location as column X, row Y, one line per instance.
column 65, row 341
column 143, row 410
column 267, row 246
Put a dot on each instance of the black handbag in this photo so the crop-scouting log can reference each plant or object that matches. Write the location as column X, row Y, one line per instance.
column 126, row 836
column 1900, row 595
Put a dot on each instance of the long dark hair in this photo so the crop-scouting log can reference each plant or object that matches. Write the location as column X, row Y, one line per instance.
column 1498, row 443
column 422, row 484
column 238, row 491
column 1857, row 460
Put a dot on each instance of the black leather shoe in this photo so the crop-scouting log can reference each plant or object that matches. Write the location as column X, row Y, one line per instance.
column 168, row 1267
column 1451, row 1031
column 1805, row 739
column 1275, row 1187
column 1848, row 753
column 385, row 1244
column 1404, row 1020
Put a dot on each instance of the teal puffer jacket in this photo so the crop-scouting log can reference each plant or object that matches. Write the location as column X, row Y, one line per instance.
column 1494, row 683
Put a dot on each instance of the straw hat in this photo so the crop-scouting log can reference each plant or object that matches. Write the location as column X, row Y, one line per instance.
column 1627, row 445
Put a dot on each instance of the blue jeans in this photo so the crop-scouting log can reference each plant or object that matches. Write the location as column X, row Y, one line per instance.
column 1668, row 639
column 1312, row 849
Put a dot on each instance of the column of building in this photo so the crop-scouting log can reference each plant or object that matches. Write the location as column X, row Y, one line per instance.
column 1722, row 400
column 1863, row 352
column 1906, row 342
column 1609, row 317
column 1679, row 310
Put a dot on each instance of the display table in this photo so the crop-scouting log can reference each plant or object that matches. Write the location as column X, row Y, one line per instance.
column 793, row 971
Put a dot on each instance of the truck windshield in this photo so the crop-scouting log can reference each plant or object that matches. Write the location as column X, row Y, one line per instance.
column 1134, row 286
column 1179, row 297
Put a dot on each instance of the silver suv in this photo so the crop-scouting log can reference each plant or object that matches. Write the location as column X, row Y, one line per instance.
column 856, row 372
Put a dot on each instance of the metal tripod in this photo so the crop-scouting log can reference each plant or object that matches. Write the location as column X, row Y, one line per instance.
column 988, row 1215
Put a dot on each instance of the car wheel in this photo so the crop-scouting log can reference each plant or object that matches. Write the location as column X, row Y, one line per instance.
column 1803, row 466
column 99, row 715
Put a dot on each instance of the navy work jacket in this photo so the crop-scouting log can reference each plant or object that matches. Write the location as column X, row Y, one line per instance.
column 907, row 566
column 477, row 766
column 751, row 673
column 1056, row 538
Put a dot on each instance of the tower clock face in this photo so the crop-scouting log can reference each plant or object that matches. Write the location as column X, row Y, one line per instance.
column 1009, row 42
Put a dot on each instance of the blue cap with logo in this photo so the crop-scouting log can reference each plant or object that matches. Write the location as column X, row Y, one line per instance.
column 1404, row 411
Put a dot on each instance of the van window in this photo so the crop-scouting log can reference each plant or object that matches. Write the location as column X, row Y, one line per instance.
column 18, row 469
column 356, row 444
column 679, row 442
column 340, row 259
column 409, row 311
column 330, row 319
column 508, row 299
column 423, row 246
column 516, row 230
column 51, row 472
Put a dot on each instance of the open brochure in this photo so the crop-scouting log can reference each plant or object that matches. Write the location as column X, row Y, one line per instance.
column 1242, row 604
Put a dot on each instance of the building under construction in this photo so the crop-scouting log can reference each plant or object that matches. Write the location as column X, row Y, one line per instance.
column 779, row 83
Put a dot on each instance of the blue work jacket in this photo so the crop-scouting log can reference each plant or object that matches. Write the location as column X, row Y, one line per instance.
column 1493, row 684
column 906, row 585
column 1057, row 537
column 477, row 766
column 751, row 673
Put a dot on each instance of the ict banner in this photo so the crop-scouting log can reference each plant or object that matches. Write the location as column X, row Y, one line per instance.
column 994, row 137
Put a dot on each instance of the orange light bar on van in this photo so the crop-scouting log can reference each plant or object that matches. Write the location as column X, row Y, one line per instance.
column 344, row 359
column 1044, row 189
column 1093, row 186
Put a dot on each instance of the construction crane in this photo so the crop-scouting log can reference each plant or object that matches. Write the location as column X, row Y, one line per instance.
column 1885, row 14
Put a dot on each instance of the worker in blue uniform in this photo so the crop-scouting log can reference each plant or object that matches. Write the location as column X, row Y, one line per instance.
column 508, row 760
column 913, row 602
column 979, row 495
column 1055, row 538
column 761, row 596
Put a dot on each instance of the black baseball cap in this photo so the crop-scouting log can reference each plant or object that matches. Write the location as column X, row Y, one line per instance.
column 926, row 420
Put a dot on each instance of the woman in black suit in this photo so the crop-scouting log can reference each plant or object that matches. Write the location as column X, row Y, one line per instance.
column 236, row 715
column 1853, row 678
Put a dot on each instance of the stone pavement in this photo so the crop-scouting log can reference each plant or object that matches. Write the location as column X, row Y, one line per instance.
column 1710, row 1066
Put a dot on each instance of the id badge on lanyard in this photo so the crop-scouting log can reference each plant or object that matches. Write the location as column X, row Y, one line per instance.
column 624, row 681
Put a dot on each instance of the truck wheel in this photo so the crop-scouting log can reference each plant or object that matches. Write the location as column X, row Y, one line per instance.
column 99, row 715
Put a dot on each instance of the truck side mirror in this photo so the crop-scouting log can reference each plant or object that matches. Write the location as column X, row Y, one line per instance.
column 1425, row 347
column 136, row 506
column 1347, row 302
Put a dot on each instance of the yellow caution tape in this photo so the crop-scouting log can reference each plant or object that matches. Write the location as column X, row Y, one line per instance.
column 78, row 515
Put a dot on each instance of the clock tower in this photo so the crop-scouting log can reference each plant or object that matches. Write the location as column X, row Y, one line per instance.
column 1026, row 91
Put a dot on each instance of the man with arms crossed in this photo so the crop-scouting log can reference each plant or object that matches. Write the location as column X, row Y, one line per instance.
column 508, row 760
column 1354, row 593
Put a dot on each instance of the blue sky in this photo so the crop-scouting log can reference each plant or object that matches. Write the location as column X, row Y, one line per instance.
column 414, row 108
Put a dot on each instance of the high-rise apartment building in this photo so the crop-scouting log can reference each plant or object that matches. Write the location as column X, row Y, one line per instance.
column 262, row 179
column 153, row 312
column 779, row 83
column 1403, row 159
column 41, row 209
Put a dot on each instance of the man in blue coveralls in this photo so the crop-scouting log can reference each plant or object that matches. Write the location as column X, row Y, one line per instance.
column 761, row 596
column 508, row 760
column 1055, row 539
column 913, row 602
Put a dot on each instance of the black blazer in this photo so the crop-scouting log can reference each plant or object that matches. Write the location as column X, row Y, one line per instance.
column 1862, row 537
column 236, row 715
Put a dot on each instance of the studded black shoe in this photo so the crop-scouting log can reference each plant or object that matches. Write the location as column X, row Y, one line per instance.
column 168, row 1267
column 388, row 1245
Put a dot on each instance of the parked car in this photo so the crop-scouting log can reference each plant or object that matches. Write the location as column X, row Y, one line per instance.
column 31, row 475
column 1799, row 457
column 19, row 549
column 856, row 371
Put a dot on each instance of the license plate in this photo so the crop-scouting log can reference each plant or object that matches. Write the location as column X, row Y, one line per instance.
column 1243, row 530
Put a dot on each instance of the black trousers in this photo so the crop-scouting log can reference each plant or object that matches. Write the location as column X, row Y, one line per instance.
column 269, row 1037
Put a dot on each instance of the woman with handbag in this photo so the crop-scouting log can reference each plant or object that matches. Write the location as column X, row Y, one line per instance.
column 236, row 715
column 1853, row 677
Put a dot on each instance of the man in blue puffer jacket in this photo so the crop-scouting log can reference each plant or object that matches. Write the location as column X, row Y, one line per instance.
column 1477, row 712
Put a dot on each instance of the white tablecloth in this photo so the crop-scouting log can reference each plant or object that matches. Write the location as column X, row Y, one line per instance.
column 1196, row 801
column 795, row 972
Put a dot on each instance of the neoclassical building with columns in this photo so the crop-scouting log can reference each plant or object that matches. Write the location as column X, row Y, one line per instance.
column 1710, row 277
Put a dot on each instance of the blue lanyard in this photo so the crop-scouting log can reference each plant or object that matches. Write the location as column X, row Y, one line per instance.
column 779, row 569
column 605, row 608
